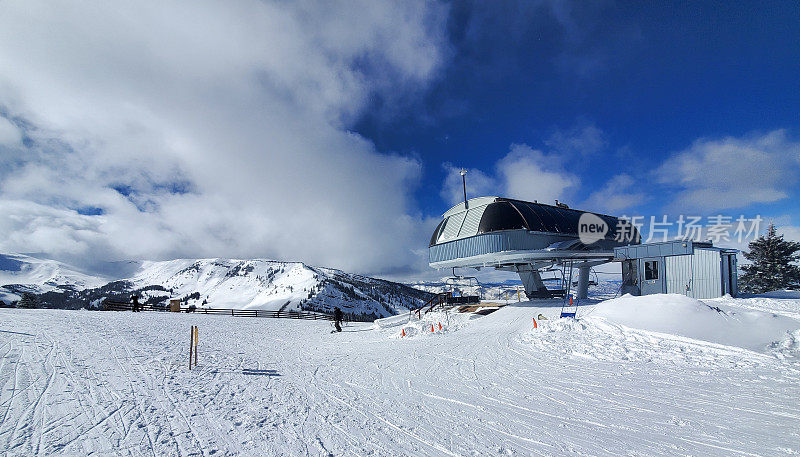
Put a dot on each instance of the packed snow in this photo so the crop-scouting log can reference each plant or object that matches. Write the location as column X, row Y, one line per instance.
column 623, row 379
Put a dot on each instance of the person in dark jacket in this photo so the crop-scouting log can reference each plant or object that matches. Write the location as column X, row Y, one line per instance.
column 136, row 307
column 337, row 319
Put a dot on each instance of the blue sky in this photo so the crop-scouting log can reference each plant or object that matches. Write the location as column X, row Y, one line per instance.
column 332, row 132
column 653, row 78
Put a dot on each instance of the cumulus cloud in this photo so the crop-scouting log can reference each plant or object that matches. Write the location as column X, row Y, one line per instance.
column 618, row 194
column 174, row 128
column 732, row 172
column 524, row 173
column 479, row 184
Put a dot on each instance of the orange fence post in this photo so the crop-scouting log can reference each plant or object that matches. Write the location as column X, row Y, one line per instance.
column 534, row 323
column 431, row 328
column 403, row 332
column 196, row 338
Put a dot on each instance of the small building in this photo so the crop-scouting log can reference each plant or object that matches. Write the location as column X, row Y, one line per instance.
column 695, row 269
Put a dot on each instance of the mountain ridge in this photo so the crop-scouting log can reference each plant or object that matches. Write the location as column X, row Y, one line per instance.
column 214, row 282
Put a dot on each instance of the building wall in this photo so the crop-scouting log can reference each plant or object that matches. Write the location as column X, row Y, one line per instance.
column 707, row 280
column 694, row 269
column 511, row 240
column 679, row 274
column 698, row 275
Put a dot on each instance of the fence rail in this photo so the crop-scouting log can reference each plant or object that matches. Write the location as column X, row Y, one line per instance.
column 109, row 305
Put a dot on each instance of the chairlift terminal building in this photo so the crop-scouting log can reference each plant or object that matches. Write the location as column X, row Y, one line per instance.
column 523, row 237
column 526, row 237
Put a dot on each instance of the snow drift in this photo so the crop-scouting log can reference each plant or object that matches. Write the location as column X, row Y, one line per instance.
column 688, row 317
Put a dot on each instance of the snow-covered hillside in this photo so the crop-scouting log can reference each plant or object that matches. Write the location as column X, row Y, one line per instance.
column 22, row 273
column 633, row 376
column 271, row 285
column 217, row 283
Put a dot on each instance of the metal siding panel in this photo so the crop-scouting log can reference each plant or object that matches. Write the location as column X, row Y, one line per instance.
column 707, row 275
column 471, row 222
column 490, row 243
column 452, row 227
column 679, row 274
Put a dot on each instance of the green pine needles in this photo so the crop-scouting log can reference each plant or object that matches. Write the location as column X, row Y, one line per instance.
column 774, row 264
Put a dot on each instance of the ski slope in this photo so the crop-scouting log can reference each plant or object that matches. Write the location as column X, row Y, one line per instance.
column 112, row 383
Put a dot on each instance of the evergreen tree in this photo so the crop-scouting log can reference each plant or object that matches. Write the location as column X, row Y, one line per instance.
column 28, row 300
column 773, row 264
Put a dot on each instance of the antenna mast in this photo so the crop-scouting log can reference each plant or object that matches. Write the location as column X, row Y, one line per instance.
column 464, row 182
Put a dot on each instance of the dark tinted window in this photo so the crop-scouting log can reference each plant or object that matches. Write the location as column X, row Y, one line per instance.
column 500, row 216
column 612, row 226
column 532, row 220
column 545, row 223
column 570, row 219
column 650, row 270
column 435, row 235
column 557, row 218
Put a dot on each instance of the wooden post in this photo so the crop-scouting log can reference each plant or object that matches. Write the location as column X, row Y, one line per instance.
column 191, row 343
column 196, row 335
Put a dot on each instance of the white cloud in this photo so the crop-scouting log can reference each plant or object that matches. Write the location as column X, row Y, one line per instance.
column 529, row 174
column 618, row 194
column 789, row 232
column 479, row 184
column 243, row 106
column 524, row 173
column 732, row 172
column 9, row 133
column 583, row 139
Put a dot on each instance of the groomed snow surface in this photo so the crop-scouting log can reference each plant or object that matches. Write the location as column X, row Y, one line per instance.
column 658, row 375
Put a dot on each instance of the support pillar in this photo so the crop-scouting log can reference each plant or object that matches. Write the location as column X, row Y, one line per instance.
column 534, row 287
column 583, row 282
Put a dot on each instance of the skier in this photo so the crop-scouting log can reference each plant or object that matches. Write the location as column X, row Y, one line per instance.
column 135, row 304
column 337, row 319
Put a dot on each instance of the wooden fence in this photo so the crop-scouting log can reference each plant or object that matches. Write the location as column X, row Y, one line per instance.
column 110, row 305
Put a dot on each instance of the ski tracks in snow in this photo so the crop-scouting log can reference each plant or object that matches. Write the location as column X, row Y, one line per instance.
column 90, row 383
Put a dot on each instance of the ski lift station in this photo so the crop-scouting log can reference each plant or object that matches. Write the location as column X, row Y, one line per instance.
column 530, row 237
column 685, row 267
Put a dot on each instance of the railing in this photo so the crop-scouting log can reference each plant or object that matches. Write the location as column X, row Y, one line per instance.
column 109, row 305
column 436, row 300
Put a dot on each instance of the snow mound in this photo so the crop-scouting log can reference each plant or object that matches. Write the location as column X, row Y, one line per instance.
column 598, row 339
column 687, row 317
column 441, row 322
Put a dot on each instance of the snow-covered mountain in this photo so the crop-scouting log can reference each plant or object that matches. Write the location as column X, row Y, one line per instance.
column 224, row 283
column 22, row 273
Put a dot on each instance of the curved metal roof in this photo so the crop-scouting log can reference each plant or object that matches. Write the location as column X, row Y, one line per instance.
column 491, row 214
